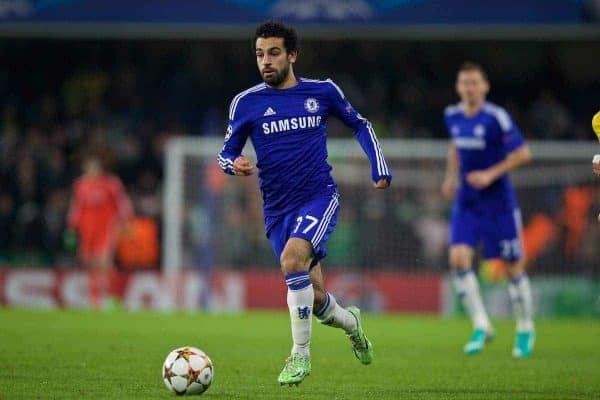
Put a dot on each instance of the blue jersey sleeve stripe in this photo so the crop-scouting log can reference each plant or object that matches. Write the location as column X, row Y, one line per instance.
column 501, row 116
column 339, row 90
column 453, row 109
column 225, row 164
column 336, row 88
column 224, row 160
column 373, row 141
column 236, row 99
column 382, row 168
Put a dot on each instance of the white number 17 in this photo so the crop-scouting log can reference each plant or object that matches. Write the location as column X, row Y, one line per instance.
column 313, row 221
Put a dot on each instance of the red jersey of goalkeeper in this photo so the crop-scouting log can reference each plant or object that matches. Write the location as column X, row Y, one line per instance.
column 98, row 211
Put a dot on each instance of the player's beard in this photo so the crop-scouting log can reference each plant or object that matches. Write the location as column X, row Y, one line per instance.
column 278, row 77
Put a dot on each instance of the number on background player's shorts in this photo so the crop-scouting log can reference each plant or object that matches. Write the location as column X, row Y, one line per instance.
column 499, row 233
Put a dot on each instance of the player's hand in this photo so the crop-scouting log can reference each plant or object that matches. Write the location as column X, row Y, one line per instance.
column 449, row 188
column 382, row 184
column 596, row 166
column 480, row 179
column 242, row 166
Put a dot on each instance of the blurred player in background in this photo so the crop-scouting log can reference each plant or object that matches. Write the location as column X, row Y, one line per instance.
column 596, row 159
column 485, row 146
column 100, row 210
column 285, row 117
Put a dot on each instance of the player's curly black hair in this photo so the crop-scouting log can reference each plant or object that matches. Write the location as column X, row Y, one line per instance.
column 277, row 29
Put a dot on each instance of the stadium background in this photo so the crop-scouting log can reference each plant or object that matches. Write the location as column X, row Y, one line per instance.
column 131, row 78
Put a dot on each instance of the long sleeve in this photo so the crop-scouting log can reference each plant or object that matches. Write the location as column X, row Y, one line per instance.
column 363, row 132
column 512, row 138
column 122, row 201
column 235, row 138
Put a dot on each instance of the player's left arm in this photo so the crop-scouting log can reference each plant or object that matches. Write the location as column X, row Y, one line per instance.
column 364, row 133
column 124, row 204
column 517, row 150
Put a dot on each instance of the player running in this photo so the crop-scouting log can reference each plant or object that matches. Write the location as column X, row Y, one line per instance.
column 286, row 117
column 100, row 208
column 485, row 146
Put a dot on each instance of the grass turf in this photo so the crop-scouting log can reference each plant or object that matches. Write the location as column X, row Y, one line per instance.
column 88, row 355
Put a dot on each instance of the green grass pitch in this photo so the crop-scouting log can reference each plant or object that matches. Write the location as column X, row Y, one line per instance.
column 88, row 355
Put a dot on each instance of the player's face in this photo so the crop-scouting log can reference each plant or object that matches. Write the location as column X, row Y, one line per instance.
column 471, row 87
column 273, row 61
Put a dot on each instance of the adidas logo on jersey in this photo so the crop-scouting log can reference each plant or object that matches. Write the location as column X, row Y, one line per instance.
column 269, row 112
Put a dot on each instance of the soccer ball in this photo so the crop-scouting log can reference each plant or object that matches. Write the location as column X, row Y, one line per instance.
column 187, row 370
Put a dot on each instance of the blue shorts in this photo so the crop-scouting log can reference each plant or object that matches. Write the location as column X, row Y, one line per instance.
column 499, row 232
column 314, row 222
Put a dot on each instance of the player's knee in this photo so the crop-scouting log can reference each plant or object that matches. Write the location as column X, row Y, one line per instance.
column 459, row 261
column 460, row 257
column 292, row 262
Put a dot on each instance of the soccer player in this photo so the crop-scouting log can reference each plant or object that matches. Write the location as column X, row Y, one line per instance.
column 285, row 118
column 100, row 210
column 485, row 145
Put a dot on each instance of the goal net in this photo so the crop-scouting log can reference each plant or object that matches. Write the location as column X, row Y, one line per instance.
column 389, row 249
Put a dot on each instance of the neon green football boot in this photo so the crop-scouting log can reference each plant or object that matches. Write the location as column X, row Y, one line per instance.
column 362, row 347
column 296, row 368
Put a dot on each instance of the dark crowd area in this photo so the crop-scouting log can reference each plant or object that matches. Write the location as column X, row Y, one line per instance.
column 60, row 98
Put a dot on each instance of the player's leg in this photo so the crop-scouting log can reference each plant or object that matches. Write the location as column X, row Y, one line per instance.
column 330, row 313
column 111, row 278
column 87, row 259
column 112, row 275
column 327, row 311
column 295, row 262
column 103, row 275
column 463, row 239
column 519, row 289
column 295, row 256
column 467, row 287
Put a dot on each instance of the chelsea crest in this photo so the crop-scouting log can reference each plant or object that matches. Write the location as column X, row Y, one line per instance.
column 311, row 104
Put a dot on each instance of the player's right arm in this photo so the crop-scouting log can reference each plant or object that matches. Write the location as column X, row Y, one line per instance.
column 230, row 158
column 516, row 150
column 451, row 180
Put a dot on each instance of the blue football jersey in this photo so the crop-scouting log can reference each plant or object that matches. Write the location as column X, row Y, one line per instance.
column 481, row 141
column 287, row 128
